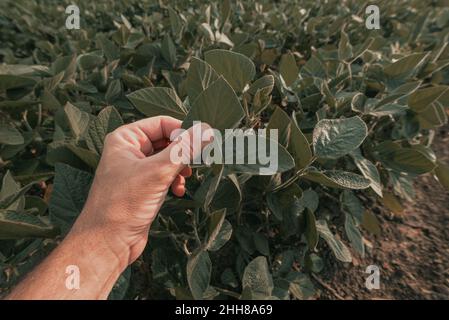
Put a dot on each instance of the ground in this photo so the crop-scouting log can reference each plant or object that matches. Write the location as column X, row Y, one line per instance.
column 412, row 251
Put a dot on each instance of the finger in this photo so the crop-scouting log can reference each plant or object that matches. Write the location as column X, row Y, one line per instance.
column 153, row 129
column 180, row 152
column 178, row 186
column 160, row 144
column 186, row 172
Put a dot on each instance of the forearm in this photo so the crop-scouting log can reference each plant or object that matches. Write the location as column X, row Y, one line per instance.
column 83, row 249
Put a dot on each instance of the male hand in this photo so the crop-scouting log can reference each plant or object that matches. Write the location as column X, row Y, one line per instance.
column 132, row 179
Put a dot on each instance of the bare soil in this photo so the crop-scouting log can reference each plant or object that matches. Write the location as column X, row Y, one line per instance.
column 412, row 251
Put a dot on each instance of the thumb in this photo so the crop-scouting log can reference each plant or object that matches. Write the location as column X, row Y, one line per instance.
column 186, row 146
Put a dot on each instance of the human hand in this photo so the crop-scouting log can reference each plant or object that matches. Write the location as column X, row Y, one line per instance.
column 132, row 179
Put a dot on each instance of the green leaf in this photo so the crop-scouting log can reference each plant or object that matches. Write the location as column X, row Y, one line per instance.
column 351, row 204
column 264, row 85
column 10, row 188
column 344, row 47
column 168, row 50
column 354, row 235
column 70, row 190
column 309, row 199
column 280, row 202
column 337, row 179
column 19, row 225
column 12, row 197
column 387, row 109
column 288, row 68
column 199, row 76
column 370, row 222
column 405, row 66
column 339, row 249
column 236, row 68
column 9, row 81
column 334, row 138
column 10, row 135
column 419, row 100
column 278, row 160
column 300, row 286
column 228, row 195
column 206, row 191
column 442, row 173
column 158, row 101
column 261, row 243
column 107, row 121
column 220, row 230
column 66, row 64
column 69, row 153
column 199, row 269
column 369, row 171
column 314, row 263
column 49, row 101
column 432, row 117
column 78, row 120
column 299, row 146
column 114, row 90
column 280, row 121
column 405, row 159
column 90, row 61
column 311, row 233
column 217, row 106
column 258, row 279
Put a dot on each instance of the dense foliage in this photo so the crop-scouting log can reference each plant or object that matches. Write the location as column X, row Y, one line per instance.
column 356, row 111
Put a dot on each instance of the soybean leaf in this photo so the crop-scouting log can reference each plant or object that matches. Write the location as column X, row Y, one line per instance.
column 354, row 235
column 220, row 230
column 299, row 146
column 369, row 171
column 280, row 121
column 370, row 222
column 158, row 101
column 288, row 68
column 268, row 157
column 334, row 138
column 198, row 272
column 236, row 68
column 339, row 249
column 311, row 233
column 10, row 135
column 405, row 159
column 19, row 225
column 300, row 286
column 78, row 120
column 309, row 199
column 405, row 66
column 265, row 84
column 344, row 47
column 419, row 100
column 218, row 106
column 199, row 76
column 337, row 179
column 70, row 189
column 261, row 243
column 107, row 121
column 351, row 204
column 258, row 279
column 168, row 50
column 442, row 173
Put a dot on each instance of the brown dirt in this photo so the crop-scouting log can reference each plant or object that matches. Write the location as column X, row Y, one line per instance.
column 412, row 251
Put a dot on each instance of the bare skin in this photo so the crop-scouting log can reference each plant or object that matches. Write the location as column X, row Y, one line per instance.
column 130, row 185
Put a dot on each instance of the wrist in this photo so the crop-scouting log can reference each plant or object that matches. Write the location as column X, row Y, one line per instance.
column 99, row 245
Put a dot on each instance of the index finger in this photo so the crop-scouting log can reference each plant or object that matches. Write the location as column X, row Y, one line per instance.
column 157, row 128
